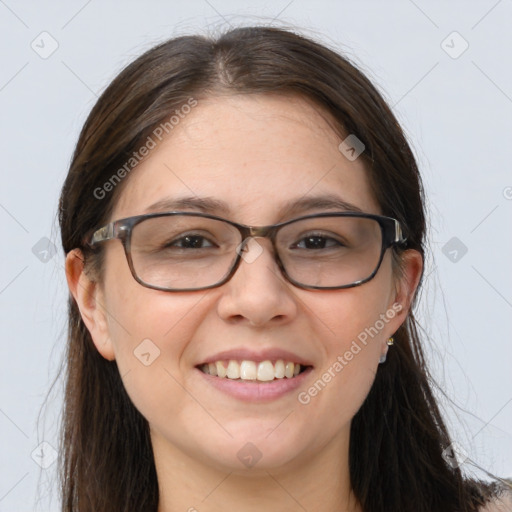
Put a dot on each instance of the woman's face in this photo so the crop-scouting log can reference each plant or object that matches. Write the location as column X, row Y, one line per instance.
column 256, row 154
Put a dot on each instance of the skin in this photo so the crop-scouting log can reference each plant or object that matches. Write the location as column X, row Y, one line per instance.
column 254, row 152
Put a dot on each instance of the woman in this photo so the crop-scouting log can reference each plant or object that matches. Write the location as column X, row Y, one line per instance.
column 216, row 366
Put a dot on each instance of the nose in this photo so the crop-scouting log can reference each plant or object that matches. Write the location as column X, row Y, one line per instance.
column 257, row 292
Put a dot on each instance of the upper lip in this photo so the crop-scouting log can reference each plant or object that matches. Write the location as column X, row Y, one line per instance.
column 244, row 354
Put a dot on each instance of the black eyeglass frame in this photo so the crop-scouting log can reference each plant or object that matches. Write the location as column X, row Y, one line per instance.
column 122, row 229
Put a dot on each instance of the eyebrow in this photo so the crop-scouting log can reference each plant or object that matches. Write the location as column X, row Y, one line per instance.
column 218, row 207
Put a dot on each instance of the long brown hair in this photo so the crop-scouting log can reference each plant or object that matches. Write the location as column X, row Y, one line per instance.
column 398, row 435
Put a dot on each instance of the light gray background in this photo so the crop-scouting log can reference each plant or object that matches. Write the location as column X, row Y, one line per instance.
column 457, row 113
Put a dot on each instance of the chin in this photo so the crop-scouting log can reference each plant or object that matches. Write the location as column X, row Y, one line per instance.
column 255, row 450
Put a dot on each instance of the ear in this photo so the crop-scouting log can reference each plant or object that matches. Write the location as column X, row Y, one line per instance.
column 90, row 299
column 407, row 282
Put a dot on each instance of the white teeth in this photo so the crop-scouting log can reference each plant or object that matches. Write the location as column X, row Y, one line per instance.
column 279, row 369
column 233, row 371
column 221, row 370
column 265, row 371
column 248, row 370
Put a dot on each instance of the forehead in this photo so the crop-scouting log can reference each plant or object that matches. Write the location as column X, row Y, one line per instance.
column 251, row 156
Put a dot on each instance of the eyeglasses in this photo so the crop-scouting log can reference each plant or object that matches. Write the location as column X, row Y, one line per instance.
column 188, row 251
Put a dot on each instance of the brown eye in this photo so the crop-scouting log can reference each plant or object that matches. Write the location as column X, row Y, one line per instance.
column 190, row 242
column 317, row 242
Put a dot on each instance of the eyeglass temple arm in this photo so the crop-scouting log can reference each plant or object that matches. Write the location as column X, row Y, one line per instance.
column 103, row 234
column 399, row 237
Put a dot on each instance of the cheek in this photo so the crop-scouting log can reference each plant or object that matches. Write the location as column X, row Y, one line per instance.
column 150, row 331
column 137, row 313
column 149, row 327
column 352, row 326
column 351, row 318
column 150, row 353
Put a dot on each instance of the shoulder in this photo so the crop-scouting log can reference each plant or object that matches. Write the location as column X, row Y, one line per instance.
column 501, row 501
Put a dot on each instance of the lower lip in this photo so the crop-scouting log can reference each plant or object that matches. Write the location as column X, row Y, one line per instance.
column 253, row 391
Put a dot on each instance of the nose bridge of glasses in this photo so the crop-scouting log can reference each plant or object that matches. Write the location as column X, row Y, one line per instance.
column 253, row 232
column 259, row 231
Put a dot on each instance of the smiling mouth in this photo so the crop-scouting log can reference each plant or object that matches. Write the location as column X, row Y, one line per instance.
column 263, row 371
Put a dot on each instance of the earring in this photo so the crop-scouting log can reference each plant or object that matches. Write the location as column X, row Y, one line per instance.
column 383, row 356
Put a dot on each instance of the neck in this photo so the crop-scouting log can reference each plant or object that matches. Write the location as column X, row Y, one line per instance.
column 319, row 482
